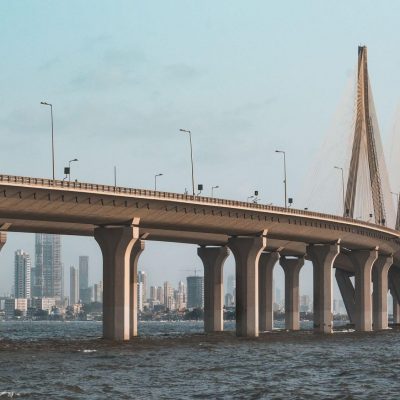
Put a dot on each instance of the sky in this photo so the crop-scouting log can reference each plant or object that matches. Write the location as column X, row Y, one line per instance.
column 246, row 77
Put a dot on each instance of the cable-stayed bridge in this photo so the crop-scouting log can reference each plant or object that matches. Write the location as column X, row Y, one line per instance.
column 122, row 219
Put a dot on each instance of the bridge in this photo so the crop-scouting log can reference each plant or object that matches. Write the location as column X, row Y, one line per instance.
column 121, row 220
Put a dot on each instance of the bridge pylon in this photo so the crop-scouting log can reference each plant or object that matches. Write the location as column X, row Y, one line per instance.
column 365, row 133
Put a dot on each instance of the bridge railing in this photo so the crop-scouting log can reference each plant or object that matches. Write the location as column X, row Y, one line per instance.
column 74, row 185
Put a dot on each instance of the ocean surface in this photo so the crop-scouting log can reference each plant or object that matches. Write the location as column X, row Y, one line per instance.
column 176, row 360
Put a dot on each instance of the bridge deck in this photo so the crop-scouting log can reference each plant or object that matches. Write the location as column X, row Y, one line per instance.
column 75, row 208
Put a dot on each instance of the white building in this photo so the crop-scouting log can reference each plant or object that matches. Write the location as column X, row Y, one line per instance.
column 140, row 296
column 169, row 300
column 142, row 278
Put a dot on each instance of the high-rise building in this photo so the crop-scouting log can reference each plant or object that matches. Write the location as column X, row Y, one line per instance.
column 153, row 293
column 73, row 285
column 142, row 278
column 22, row 275
column 98, row 292
column 180, row 296
column 160, row 294
column 195, row 291
column 169, row 300
column 231, row 285
column 83, row 274
column 229, row 300
column 86, row 295
column 47, row 274
column 278, row 295
column 305, row 303
column 140, row 296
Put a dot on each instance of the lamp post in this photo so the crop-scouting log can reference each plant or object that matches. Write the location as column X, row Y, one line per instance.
column 284, row 172
column 212, row 190
column 155, row 180
column 191, row 154
column 341, row 169
column 69, row 168
column 52, row 133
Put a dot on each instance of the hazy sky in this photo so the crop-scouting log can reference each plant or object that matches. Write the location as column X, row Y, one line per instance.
column 246, row 77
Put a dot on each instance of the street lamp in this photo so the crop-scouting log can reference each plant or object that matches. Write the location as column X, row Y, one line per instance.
column 52, row 132
column 155, row 180
column 212, row 190
column 191, row 154
column 69, row 168
column 341, row 169
column 284, row 172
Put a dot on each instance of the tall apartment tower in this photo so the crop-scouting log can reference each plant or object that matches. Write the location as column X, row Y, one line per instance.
column 98, row 292
column 48, row 274
column 140, row 296
column 83, row 272
column 142, row 278
column 22, row 275
column 160, row 294
column 195, row 291
column 73, row 285
column 169, row 300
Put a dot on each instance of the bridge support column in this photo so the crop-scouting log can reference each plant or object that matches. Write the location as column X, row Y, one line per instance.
column 394, row 285
column 396, row 310
column 363, row 261
column 380, row 292
column 3, row 239
column 323, row 257
column 116, row 244
column 213, row 261
column 136, row 251
column 266, row 295
column 292, row 267
column 246, row 251
column 347, row 291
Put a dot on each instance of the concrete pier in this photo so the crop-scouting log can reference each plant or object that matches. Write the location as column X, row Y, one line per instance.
column 396, row 310
column 265, row 286
column 213, row 261
column 323, row 257
column 292, row 267
column 347, row 291
column 380, row 291
column 363, row 261
column 136, row 251
column 116, row 244
column 3, row 239
column 247, row 252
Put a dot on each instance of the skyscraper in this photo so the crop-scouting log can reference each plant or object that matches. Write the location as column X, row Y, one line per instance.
column 230, row 287
column 180, row 296
column 169, row 301
column 47, row 275
column 140, row 296
column 83, row 272
column 195, row 292
column 73, row 285
column 98, row 292
column 142, row 278
column 160, row 294
column 22, row 275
